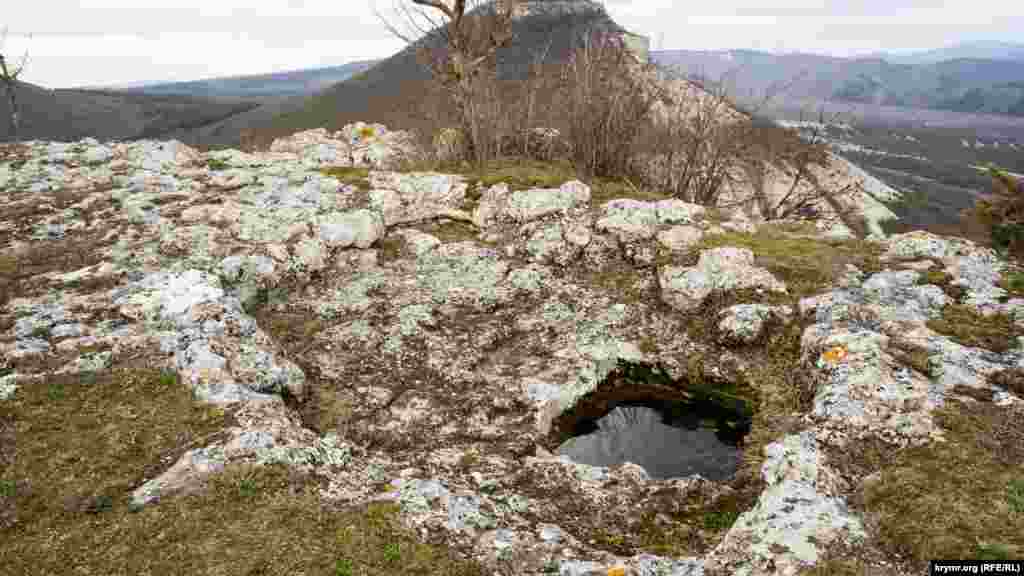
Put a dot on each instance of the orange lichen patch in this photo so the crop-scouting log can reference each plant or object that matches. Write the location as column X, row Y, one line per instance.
column 834, row 355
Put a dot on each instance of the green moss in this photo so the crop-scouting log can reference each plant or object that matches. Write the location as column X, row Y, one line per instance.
column 168, row 378
column 521, row 175
column 807, row 266
column 603, row 190
column 390, row 248
column 1015, row 495
column 719, row 520
column 216, row 164
column 356, row 176
column 7, row 488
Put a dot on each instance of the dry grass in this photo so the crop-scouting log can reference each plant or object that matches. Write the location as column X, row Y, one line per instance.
column 963, row 324
column 73, row 449
column 960, row 499
column 356, row 176
column 806, row 265
column 939, row 277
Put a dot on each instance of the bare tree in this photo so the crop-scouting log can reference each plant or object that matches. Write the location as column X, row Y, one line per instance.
column 467, row 68
column 800, row 157
column 9, row 76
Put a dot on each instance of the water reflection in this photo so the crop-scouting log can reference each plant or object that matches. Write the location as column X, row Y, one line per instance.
column 638, row 434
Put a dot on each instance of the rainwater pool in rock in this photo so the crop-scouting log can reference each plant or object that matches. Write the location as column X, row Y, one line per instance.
column 666, row 446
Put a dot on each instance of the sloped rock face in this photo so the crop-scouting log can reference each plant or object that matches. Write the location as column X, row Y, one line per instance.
column 837, row 185
column 455, row 351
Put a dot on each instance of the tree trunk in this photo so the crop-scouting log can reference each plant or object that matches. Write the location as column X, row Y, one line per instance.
column 11, row 98
column 14, row 112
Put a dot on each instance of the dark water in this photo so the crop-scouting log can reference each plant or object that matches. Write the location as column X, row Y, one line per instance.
column 665, row 447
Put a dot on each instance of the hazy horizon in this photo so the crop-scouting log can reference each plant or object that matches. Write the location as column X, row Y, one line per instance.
column 117, row 42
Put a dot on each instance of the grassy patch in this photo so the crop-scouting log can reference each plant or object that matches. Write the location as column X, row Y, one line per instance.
column 524, row 174
column 621, row 281
column 390, row 248
column 224, row 529
column 963, row 324
column 469, row 459
column 326, row 406
column 356, row 176
column 216, row 164
column 943, row 280
column 911, row 354
column 69, row 463
column 807, row 266
column 603, row 190
column 521, row 175
column 1013, row 282
column 448, row 231
column 957, row 499
column 86, row 443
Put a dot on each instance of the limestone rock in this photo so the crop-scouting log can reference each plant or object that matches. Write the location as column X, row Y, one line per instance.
column 745, row 322
column 725, row 268
column 458, row 334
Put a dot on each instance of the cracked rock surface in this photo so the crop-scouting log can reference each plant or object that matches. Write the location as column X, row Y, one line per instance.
column 455, row 334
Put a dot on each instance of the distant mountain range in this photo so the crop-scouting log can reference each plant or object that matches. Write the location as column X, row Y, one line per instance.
column 992, row 86
column 980, row 77
column 983, row 50
column 288, row 83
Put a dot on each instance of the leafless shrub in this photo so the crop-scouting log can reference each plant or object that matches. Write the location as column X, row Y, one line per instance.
column 605, row 105
column 700, row 147
column 800, row 158
column 1000, row 215
column 528, row 139
column 693, row 146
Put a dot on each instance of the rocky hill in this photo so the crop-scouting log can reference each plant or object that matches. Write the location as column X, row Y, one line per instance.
column 206, row 353
column 395, row 91
column 318, row 357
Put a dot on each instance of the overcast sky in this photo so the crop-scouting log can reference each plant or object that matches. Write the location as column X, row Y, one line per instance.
column 112, row 42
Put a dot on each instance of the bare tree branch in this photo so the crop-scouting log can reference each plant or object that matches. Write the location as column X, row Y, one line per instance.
column 471, row 43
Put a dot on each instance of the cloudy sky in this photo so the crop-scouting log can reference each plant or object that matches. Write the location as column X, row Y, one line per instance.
column 114, row 42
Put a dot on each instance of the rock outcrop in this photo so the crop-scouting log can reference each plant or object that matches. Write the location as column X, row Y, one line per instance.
column 452, row 323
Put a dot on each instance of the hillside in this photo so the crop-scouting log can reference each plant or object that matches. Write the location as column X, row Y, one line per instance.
column 960, row 85
column 71, row 114
column 395, row 91
column 289, row 83
column 983, row 50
